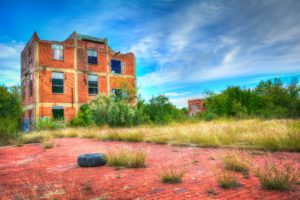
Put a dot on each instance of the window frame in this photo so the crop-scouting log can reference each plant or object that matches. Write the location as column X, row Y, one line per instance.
column 63, row 83
column 58, row 108
column 63, row 51
column 93, row 87
column 121, row 66
column 88, row 60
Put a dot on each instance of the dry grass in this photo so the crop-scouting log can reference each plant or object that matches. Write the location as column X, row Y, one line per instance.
column 268, row 135
column 48, row 144
column 125, row 136
column 127, row 157
column 172, row 174
column 227, row 180
column 278, row 175
column 236, row 161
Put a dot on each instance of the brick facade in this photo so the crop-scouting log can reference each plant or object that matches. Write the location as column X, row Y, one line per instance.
column 38, row 65
column 195, row 106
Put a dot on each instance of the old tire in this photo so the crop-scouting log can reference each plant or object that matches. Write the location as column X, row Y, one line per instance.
column 91, row 160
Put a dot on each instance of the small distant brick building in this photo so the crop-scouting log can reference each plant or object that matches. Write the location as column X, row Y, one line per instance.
column 195, row 106
column 58, row 77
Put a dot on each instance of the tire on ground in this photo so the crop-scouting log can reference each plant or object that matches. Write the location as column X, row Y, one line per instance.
column 91, row 160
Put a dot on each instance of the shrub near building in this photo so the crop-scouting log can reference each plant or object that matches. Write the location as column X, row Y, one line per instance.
column 10, row 113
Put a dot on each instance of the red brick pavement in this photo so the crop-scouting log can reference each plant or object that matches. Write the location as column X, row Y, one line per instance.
column 30, row 171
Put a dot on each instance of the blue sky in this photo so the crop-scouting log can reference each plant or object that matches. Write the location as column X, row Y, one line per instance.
column 182, row 47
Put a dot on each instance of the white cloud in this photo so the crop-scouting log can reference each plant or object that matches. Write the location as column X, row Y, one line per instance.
column 230, row 56
column 10, row 63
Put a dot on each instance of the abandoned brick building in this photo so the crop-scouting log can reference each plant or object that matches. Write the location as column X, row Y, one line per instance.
column 58, row 77
column 195, row 106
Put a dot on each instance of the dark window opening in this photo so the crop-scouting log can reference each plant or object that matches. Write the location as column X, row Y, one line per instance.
column 29, row 55
column 30, row 85
column 93, row 84
column 92, row 56
column 119, row 93
column 58, row 113
column 116, row 66
column 57, row 52
column 57, row 82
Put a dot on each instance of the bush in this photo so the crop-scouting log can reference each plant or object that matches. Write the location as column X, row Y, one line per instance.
column 99, row 109
column 269, row 99
column 10, row 113
column 208, row 116
column 161, row 111
column 45, row 123
column 121, row 114
column 278, row 176
column 127, row 158
column 83, row 117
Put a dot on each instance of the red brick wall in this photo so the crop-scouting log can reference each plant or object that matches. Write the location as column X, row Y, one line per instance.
column 45, row 56
column 82, row 56
column 118, row 81
column 200, row 102
column 69, row 112
column 128, row 61
column 45, row 87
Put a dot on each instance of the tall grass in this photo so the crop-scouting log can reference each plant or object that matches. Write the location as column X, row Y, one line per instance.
column 278, row 175
column 127, row 157
column 227, row 179
column 236, row 161
column 268, row 135
column 171, row 174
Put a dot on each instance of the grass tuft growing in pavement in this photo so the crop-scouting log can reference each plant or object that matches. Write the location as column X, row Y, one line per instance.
column 127, row 157
column 278, row 175
column 48, row 144
column 172, row 174
column 227, row 180
column 236, row 161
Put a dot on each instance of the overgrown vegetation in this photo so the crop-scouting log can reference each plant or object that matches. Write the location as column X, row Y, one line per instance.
column 269, row 99
column 127, row 157
column 10, row 113
column 278, row 175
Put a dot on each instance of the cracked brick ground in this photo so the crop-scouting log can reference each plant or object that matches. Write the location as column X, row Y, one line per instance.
column 30, row 171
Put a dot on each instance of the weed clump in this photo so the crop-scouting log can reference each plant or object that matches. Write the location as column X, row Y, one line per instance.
column 172, row 174
column 278, row 176
column 127, row 158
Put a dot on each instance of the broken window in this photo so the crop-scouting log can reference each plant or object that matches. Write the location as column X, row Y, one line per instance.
column 58, row 113
column 116, row 66
column 93, row 84
column 92, row 56
column 57, row 82
column 57, row 52
column 30, row 85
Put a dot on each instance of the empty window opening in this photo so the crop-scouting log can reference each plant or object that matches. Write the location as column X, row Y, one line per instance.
column 93, row 84
column 57, row 82
column 57, row 52
column 30, row 85
column 92, row 56
column 58, row 113
column 116, row 66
